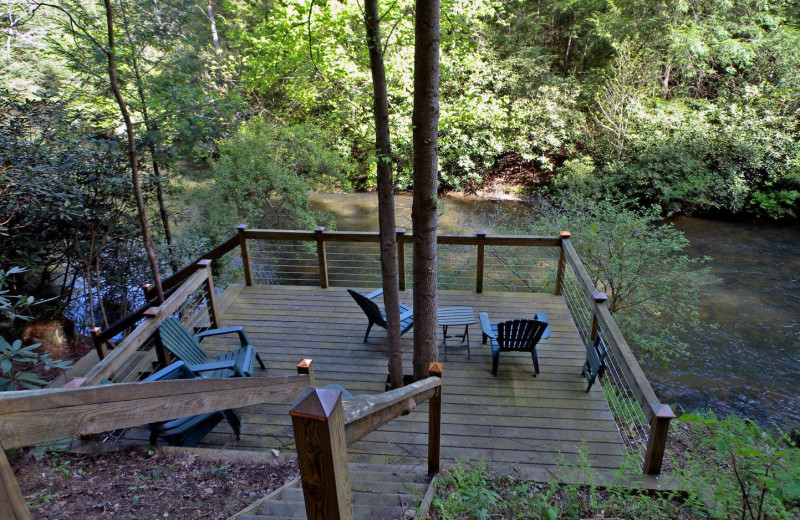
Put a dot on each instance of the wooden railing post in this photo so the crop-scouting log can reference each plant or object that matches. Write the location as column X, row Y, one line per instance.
column 561, row 262
column 306, row 366
column 319, row 435
column 211, row 297
column 162, row 354
column 599, row 299
column 479, row 268
column 246, row 262
column 12, row 502
column 322, row 258
column 99, row 346
column 660, row 418
column 401, row 257
column 435, row 422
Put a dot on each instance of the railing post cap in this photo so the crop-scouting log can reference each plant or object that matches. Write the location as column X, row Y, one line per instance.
column 600, row 297
column 436, row 369
column 400, row 230
column 94, row 331
column 662, row 411
column 564, row 234
column 316, row 403
column 152, row 312
column 482, row 233
column 241, row 227
column 319, row 229
column 204, row 262
column 304, row 363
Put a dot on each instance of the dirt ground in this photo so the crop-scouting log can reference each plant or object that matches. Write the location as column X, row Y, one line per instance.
column 142, row 483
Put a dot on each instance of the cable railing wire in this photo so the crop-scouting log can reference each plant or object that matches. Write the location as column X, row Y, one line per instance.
column 616, row 388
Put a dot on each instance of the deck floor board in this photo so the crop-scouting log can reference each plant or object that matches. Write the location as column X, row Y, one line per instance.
column 518, row 423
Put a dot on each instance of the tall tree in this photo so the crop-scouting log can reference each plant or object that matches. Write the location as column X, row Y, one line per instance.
column 133, row 155
column 386, row 217
column 425, row 121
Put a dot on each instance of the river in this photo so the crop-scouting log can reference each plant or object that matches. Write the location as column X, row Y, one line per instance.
column 749, row 364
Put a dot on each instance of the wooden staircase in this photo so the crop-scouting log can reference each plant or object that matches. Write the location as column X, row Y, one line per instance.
column 379, row 492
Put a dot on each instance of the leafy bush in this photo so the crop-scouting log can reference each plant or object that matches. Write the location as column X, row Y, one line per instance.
column 10, row 353
column 632, row 256
column 265, row 172
column 12, row 305
column 750, row 472
column 68, row 207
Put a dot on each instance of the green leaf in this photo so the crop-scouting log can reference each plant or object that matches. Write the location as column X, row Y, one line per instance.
column 31, row 377
column 722, row 446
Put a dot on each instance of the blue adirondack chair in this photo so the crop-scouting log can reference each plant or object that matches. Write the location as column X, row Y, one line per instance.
column 188, row 431
column 186, row 347
column 515, row 336
column 595, row 364
column 376, row 316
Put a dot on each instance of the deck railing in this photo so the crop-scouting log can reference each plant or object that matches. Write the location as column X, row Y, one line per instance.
column 350, row 259
column 195, row 292
column 38, row 416
column 643, row 421
column 324, row 426
column 511, row 263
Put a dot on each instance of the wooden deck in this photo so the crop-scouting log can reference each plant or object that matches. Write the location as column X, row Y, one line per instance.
column 519, row 424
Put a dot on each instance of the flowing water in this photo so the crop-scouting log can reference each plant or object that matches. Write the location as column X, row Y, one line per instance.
column 749, row 364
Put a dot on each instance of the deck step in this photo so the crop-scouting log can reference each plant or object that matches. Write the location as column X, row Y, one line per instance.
column 364, row 498
column 379, row 492
column 296, row 510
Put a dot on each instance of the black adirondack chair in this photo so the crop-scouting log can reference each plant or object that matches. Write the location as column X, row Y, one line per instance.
column 595, row 364
column 186, row 347
column 188, row 431
column 515, row 336
column 376, row 316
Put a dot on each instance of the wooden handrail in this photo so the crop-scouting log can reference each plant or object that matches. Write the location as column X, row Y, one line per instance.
column 324, row 427
column 365, row 414
column 320, row 235
column 372, row 236
column 658, row 414
column 128, row 347
column 37, row 416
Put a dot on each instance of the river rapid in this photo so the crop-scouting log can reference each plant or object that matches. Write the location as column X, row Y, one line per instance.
column 749, row 364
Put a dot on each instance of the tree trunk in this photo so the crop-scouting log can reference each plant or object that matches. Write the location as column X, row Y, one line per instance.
column 212, row 21
column 132, row 154
column 386, row 217
column 425, row 121
column 152, row 128
column 665, row 80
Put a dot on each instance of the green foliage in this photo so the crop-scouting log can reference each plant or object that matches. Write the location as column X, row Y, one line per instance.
column 691, row 106
column 630, row 254
column 13, row 379
column 750, row 472
column 13, row 306
column 468, row 493
column 265, row 172
column 67, row 204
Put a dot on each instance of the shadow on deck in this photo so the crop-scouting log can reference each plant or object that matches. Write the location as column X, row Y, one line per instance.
column 520, row 424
